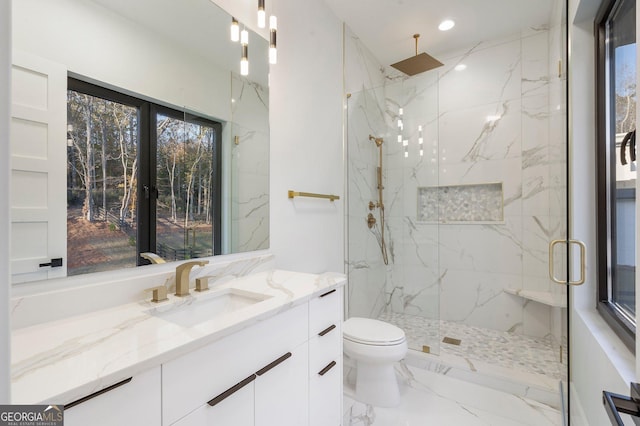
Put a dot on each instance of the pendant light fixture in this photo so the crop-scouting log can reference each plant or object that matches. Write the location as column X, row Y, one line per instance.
column 261, row 14
column 273, row 29
column 235, row 30
column 244, row 62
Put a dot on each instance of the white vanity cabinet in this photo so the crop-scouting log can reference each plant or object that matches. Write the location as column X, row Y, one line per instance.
column 325, row 359
column 135, row 401
column 237, row 410
column 235, row 380
column 281, row 394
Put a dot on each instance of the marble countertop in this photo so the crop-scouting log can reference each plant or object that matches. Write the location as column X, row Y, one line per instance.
column 62, row 361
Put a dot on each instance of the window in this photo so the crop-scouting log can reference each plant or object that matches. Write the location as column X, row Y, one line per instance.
column 140, row 178
column 616, row 166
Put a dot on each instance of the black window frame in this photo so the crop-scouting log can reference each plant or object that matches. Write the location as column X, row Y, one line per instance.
column 147, row 156
column 605, row 189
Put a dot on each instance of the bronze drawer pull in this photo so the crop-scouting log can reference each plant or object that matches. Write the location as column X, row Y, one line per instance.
column 233, row 389
column 326, row 330
column 273, row 364
column 328, row 293
column 100, row 392
column 327, row 368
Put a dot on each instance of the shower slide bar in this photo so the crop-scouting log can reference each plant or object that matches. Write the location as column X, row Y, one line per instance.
column 293, row 194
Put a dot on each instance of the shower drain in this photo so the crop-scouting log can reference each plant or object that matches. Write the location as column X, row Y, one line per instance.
column 451, row 341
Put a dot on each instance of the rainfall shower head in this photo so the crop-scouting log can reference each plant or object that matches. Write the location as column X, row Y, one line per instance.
column 418, row 63
column 378, row 141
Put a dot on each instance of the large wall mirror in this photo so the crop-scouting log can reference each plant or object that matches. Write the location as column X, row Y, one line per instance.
column 133, row 132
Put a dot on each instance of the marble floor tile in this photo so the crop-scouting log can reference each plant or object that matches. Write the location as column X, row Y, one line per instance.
column 433, row 399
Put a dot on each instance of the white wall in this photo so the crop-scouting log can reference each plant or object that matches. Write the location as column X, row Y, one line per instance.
column 5, row 282
column 306, row 138
column 599, row 360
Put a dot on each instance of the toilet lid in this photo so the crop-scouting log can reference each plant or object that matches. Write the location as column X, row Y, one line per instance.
column 372, row 332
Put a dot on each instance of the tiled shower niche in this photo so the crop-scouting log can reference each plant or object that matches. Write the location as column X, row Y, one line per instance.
column 476, row 203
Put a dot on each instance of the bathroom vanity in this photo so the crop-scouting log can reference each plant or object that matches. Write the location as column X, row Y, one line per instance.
column 269, row 353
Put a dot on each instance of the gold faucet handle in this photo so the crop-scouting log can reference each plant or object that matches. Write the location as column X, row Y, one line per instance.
column 202, row 284
column 159, row 293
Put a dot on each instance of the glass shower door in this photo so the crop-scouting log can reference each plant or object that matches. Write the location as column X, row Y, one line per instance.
column 476, row 190
column 393, row 240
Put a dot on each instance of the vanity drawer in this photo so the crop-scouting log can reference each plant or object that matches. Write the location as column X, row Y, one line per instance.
column 325, row 310
column 325, row 394
column 193, row 379
column 326, row 348
column 135, row 401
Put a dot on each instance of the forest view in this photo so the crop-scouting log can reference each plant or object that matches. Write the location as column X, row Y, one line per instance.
column 102, row 185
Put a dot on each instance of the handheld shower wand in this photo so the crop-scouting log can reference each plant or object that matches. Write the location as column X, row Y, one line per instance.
column 380, row 203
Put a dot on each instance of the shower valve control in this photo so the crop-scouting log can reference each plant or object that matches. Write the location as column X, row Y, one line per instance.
column 371, row 221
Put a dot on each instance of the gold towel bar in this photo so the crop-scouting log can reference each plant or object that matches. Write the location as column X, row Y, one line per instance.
column 293, row 194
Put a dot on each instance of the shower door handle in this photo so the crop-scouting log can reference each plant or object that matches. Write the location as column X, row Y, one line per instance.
column 583, row 251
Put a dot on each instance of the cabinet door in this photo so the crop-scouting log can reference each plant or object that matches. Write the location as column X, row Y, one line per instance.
column 193, row 379
column 38, row 168
column 135, row 403
column 282, row 391
column 325, row 395
column 236, row 409
column 325, row 359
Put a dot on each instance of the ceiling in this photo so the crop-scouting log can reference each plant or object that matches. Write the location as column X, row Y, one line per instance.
column 386, row 27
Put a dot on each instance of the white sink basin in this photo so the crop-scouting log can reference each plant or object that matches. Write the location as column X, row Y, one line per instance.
column 205, row 307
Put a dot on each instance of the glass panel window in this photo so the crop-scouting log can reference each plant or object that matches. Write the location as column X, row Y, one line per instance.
column 622, row 87
column 102, row 166
column 185, row 176
column 141, row 178
column 617, row 164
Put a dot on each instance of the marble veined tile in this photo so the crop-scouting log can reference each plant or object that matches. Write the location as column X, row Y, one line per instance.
column 434, row 399
column 491, row 75
column 249, row 103
column 491, row 131
column 362, row 69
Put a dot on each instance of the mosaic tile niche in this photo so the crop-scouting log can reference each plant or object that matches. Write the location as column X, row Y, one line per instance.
column 479, row 203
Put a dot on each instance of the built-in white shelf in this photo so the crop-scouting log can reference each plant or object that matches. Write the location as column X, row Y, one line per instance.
column 544, row 297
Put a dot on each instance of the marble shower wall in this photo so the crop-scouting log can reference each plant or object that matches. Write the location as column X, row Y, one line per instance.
column 249, row 179
column 500, row 120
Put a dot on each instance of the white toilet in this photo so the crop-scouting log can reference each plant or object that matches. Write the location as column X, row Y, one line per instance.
column 375, row 346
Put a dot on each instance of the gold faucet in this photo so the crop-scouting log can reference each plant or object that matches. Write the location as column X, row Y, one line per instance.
column 182, row 276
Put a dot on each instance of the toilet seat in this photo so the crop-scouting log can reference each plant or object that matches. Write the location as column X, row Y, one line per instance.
column 372, row 332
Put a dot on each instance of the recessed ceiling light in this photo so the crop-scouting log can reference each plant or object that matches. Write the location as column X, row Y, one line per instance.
column 460, row 67
column 446, row 25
